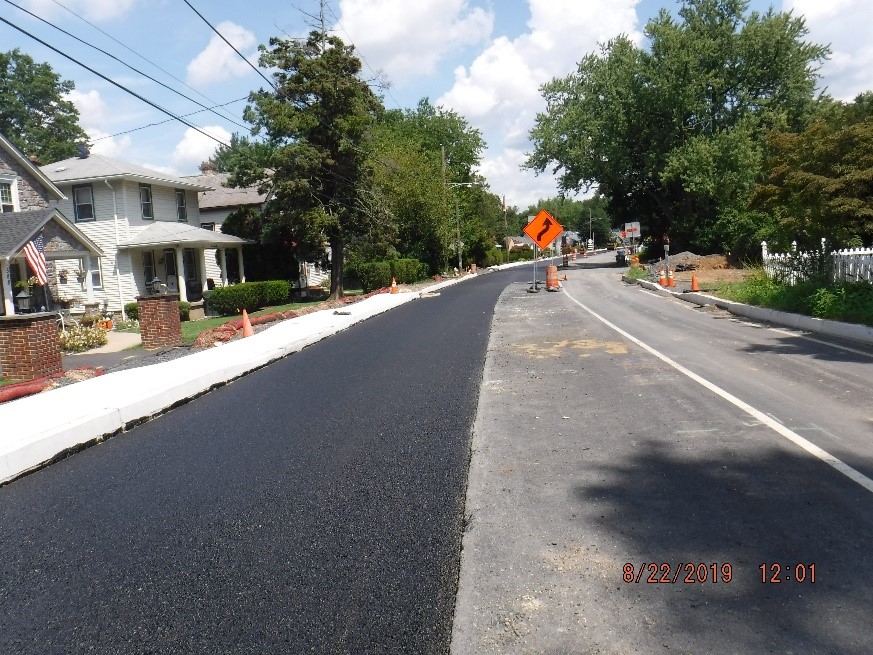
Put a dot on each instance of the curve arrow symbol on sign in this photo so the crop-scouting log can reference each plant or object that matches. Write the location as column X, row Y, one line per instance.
column 545, row 229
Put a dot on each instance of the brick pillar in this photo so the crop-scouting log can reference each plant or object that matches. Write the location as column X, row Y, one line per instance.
column 159, row 322
column 29, row 346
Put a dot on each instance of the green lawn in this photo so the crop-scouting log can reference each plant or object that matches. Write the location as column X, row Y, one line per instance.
column 850, row 302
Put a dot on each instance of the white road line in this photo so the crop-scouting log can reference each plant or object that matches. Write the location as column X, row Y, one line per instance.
column 808, row 446
column 800, row 335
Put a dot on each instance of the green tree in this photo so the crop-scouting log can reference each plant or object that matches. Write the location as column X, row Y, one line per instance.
column 820, row 180
column 33, row 112
column 317, row 121
column 243, row 155
column 674, row 135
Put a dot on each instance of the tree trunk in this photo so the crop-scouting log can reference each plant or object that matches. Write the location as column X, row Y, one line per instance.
column 336, row 268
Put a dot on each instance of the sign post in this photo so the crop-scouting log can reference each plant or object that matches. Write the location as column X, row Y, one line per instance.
column 543, row 229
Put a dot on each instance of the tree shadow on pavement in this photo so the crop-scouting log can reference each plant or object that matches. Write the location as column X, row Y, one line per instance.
column 666, row 505
column 804, row 347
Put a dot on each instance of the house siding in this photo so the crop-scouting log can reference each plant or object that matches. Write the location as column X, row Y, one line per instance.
column 125, row 265
column 31, row 193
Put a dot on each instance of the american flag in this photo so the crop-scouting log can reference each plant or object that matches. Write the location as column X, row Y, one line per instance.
column 33, row 252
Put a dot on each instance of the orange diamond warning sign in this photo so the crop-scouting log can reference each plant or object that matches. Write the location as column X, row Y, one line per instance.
column 543, row 229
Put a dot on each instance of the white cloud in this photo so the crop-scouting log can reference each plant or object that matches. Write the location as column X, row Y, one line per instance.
column 845, row 25
column 109, row 146
column 406, row 39
column 218, row 62
column 499, row 92
column 95, row 10
column 92, row 109
column 195, row 148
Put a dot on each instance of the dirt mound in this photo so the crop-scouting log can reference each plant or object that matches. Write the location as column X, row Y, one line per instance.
column 688, row 261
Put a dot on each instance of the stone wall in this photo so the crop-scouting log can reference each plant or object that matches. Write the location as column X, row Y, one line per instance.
column 159, row 322
column 29, row 347
column 31, row 193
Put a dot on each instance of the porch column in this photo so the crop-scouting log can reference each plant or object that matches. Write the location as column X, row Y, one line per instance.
column 222, row 263
column 6, row 282
column 180, row 275
column 203, row 286
column 89, row 279
column 242, row 269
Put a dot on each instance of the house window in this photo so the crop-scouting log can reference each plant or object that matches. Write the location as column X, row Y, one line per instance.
column 7, row 197
column 145, row 201
column 83, row 203
column 148, row 266
column 208, row 226
column 97, row 275
column 181, row 206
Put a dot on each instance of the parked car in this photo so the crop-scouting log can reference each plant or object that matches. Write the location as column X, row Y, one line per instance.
column 621, row 257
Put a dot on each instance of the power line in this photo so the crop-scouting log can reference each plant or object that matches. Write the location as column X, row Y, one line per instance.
column 135, row 70
column 136, row 129
column 143, row 57
column 254, row 68
column 114, row 83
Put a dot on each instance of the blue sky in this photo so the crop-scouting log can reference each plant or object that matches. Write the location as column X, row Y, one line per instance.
column 483, row 59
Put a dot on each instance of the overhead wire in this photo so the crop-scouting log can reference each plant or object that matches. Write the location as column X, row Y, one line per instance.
column 169, row 120
column 141, row 56
column 123, row 63
column 252, row 66
column 114, row 83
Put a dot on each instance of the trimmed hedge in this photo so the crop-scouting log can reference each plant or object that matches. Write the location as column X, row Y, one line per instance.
column 377, row 275
column 251, row 296
column 374, row 275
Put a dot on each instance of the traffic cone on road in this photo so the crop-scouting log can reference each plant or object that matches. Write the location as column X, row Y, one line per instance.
column 671, row 282
column 393, row 285
column 694, row 286
column 247, row 325
column 662, row 279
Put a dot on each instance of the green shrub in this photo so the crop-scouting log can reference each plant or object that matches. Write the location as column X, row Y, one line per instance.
column 407, row 271
column 374, row 275
column 276, row 292
column 251, row 296
column 184, row 310
column 131, row 310
column 493, row 257
column 522, row 254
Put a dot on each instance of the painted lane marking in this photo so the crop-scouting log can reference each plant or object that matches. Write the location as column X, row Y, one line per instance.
column 800, row 335
column 808, row 446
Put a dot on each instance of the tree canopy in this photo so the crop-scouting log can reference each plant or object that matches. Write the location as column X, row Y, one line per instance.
column 33, row 112
column 317, row 122
column 673, row 135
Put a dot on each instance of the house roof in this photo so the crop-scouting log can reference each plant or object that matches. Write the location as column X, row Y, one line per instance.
column 167, row 233
column 97, row 167
column 34, row 170
column 220, row 196
column 21, row 227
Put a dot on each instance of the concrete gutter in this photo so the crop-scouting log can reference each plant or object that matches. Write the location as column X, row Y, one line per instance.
column 838, row 329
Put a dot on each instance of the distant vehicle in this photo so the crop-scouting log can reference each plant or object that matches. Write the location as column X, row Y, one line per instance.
column 621, row 257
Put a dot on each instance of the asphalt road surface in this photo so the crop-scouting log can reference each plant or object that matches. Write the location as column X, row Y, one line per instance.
column 315, row 505
column 637, row 461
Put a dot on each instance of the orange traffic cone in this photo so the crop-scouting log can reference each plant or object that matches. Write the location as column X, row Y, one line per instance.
column 247, row 325
column 670, row 281
column 393, row 285
column 662, row 279
column 694, row 286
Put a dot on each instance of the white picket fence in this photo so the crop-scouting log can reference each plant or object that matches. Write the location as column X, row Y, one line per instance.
column 851, row 265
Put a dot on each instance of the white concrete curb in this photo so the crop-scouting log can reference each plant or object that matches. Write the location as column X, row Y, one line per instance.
column 42, row 427
column 838, row 329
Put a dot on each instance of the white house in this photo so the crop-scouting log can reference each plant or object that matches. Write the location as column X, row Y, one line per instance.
column 28, row 212
column 146, row 224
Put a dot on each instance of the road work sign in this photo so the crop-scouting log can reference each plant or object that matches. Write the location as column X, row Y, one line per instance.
column 543, row 229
